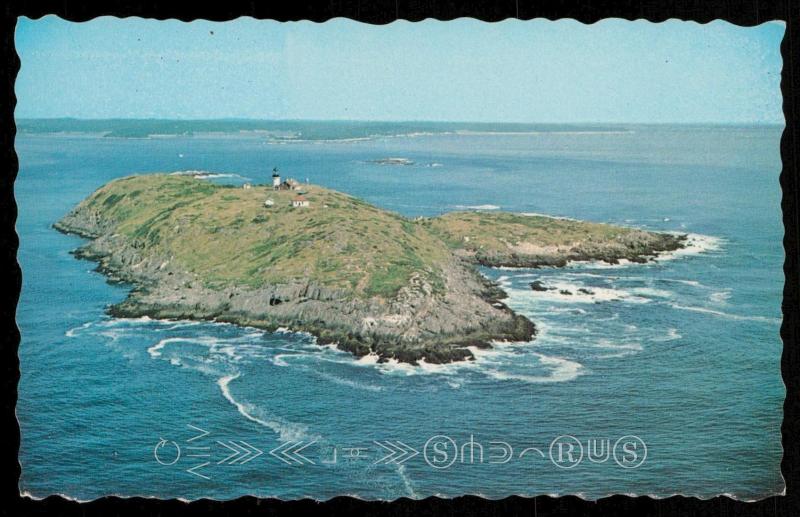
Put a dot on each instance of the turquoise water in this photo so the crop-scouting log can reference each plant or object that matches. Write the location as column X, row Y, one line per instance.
column 683, row 353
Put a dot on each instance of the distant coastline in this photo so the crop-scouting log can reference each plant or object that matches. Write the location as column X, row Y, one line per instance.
column 288, row 131
column 292, row 130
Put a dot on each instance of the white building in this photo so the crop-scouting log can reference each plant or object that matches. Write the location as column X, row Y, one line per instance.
column 269, row 203
column 299, row 201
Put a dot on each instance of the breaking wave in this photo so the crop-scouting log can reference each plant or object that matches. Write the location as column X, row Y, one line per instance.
column 696, row 244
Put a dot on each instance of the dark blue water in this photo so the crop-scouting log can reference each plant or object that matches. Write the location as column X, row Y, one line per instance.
column 683, row 353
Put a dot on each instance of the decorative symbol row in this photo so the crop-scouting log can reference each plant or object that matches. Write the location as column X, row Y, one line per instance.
column 399, row 452
column 290, row 453
column 242, row 452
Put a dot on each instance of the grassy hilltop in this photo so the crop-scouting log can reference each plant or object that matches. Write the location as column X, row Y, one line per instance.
column 226, row 236
column 368, row 279
column 519, row 240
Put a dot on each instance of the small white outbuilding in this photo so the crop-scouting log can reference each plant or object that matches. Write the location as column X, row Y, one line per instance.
column 299, row 201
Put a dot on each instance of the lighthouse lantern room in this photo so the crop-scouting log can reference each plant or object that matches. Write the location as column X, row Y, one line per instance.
column 276, row 178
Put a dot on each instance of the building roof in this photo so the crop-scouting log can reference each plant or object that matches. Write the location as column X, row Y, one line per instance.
column 300, row 198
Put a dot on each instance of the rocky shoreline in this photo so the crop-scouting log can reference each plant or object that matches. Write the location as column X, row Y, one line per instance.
column 436, row 314
column 634, row 252
column 159, row 291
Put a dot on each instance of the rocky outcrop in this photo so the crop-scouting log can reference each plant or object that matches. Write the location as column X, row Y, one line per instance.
column 368, row 280
column 636, row 246
column 418, row 324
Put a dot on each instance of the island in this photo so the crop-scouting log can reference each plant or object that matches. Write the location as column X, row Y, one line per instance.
column 307, row 258
column 393, row 161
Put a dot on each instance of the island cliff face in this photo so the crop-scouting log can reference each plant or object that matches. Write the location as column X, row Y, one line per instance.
column 369, row 280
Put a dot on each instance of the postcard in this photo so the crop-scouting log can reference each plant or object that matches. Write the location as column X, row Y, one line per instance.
column 307, row 260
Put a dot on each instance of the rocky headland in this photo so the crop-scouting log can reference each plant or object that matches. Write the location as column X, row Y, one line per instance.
column 366, row 279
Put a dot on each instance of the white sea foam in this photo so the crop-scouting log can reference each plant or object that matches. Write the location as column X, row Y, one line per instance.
column 582, row 274
column 598, row 264
column 180, row 325
column 443, row 369
column 559, row 310
column 615, row 355
column 215, row 345
column 395, row 367
column 278, row 360
column 155, row 350
column 391, row 366
column 695, row 244
column 369, row 359
column 510, row 360
column 286, row 431
column 721, row 297
column 726, row 315
column 284, row 330
column 523, row 275
column 651, row 292
column 497, row 354
column 477, row 207
column 77, row 330
column 116, row 322
column 516, row 269
column 607, row 343
column 401, row 471
column 693, row 283
column 561, row 370
column 672, row 335
column 570, row 292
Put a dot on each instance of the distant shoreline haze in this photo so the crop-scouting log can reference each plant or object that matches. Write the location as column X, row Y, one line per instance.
column 322, row 129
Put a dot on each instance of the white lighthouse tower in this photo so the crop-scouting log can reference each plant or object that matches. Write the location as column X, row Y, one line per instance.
column 276, row 179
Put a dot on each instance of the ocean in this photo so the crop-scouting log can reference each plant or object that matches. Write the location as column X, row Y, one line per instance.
column 663, row 379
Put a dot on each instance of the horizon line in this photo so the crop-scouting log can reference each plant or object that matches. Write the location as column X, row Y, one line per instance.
column 400, row 121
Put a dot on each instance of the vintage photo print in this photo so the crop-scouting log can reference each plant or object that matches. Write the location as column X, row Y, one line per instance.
column 440, row 258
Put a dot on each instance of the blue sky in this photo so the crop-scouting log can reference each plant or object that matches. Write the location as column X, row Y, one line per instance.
column 463, row 70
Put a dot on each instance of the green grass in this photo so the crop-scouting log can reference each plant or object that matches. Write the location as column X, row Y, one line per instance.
column 227, row 237
column 498, row 231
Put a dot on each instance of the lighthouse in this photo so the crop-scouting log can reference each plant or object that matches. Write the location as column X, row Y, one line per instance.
column 276, row 179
